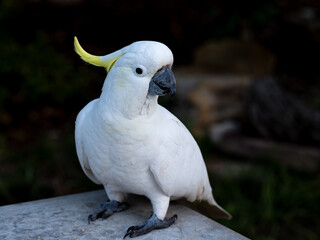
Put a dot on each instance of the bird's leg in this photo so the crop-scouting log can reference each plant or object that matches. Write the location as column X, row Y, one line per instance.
column 107, row 209
column 153, row 222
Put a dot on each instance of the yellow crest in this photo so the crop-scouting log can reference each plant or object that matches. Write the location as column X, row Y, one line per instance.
column 105, row 61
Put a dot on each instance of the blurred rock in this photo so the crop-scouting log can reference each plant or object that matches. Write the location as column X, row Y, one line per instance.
column 206, row 99
column 290, row 155
column 278, row 115
column 306, row 16
column 66, row 218
column 220, row 130
column 235, row 57
column 213, row 90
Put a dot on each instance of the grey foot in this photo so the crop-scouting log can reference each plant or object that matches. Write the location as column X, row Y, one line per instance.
column 153, row 222
column 107, row 209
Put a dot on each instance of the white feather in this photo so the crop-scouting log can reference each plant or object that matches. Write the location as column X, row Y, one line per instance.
column 130, row 144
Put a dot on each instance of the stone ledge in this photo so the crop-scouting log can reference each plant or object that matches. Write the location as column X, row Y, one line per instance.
column 66, row 218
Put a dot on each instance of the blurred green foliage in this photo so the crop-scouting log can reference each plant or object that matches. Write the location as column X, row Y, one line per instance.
column 271, row 202
column 41, row 92
column 39, row 88
column 46, row 168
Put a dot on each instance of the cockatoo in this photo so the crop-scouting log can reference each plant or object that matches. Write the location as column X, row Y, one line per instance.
column 130, row 144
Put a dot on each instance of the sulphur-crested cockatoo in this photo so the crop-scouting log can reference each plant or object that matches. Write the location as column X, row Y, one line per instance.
column 130, row 144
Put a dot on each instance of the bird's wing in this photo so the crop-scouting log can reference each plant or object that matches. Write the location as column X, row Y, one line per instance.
column 179, row 168
column 80, row 124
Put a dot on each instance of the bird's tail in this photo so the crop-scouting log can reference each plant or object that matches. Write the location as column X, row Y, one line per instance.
column 208, row 207
column 216, row 210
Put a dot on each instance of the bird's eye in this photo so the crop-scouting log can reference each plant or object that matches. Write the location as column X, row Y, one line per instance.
column 139, row 71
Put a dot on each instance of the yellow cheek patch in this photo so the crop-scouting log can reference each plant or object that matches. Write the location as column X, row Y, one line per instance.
column 92, row 59
column 120, row 77
column 120, row 83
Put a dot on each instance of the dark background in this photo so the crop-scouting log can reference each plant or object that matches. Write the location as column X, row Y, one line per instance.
column 44, row 84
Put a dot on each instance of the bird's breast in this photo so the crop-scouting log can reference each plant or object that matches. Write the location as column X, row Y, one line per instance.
column 121, row 155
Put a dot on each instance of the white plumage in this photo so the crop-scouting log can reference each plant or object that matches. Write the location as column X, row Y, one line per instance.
column 130, row 144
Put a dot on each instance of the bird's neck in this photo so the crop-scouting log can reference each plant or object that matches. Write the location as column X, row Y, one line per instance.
column 128, row 107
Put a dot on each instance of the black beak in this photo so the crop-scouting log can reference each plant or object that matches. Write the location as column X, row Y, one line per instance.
column 163, row 82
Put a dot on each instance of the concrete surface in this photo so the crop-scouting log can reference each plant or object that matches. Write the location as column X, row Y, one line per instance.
column 66, row 218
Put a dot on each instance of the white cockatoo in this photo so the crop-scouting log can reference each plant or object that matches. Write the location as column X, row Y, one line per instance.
column 129, row 143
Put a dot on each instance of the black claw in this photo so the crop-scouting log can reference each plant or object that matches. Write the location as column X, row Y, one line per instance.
column 126, row 235
column 130, row 228
column 106, row 210
column 152, row 223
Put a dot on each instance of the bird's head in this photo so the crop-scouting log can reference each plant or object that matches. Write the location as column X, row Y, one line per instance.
column 143, row 67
